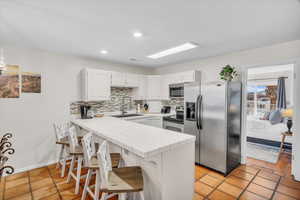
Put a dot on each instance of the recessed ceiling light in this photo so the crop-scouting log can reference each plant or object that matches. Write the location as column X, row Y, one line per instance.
column 133, row 59
column 103, row 51
column 174, row 50
column 137, row 34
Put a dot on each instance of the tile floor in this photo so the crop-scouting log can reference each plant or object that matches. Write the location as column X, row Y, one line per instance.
column 257, row 180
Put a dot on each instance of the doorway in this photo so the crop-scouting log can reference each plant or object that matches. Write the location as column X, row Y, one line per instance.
column 268, row 108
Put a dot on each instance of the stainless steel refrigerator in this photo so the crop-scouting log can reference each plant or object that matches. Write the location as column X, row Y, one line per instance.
column 213, row 114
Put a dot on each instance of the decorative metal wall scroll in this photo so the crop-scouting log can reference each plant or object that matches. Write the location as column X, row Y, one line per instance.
column 6, row 150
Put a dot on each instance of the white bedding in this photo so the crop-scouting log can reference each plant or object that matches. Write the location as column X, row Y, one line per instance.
column 263, row 129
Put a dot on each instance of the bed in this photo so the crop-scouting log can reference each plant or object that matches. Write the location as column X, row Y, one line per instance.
column 260, row 130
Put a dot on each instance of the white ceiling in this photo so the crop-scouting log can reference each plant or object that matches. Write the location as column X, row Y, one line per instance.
column 84, row 28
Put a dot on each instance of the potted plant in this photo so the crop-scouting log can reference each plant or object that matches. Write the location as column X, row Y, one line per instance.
column 228, row 73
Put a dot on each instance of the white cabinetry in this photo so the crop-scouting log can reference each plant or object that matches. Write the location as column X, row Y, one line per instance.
column 96, row 85
column 153, row 88
column 132, row 80
column 190, row 76
column 140, row 92
column 185, row 77
column 119, row 79
column 166, row 80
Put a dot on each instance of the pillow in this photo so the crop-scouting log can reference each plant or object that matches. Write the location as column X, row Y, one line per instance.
column 275, row 117
column 266, row 116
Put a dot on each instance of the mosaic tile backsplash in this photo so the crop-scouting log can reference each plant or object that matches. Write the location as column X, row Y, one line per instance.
column 117, row 95
column 173, row 102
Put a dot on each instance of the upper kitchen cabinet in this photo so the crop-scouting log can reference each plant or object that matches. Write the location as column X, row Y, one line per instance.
column 190, row 76
column 96, row 85
column 132, row 80
column 154, row 87
column 165, row 81
column 185, row 77
column 119, row 79
column 140, row 92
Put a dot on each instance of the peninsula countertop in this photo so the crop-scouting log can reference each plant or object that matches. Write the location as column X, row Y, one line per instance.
column 143, row 140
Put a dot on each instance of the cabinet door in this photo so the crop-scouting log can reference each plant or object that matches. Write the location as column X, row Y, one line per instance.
column 153, row 92
column 140, row 92
column 118, row 79
column 175, row 78
column 188, row 76
column 96, row 85
column 165, row 81
column 132, row 80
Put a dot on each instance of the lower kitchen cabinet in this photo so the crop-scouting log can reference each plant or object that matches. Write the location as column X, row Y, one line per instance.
column 161, row 171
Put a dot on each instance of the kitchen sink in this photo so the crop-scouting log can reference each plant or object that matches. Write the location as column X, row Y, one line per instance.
column 127, row 115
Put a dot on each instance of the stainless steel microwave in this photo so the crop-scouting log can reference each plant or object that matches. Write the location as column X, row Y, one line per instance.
column 176, row 90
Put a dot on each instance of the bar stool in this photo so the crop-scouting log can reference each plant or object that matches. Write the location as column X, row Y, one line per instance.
column 76, row 154
column 118, row 181
column 91, row 162
column 61, row 134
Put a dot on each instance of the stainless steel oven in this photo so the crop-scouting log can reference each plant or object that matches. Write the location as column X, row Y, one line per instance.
column 176, row 90
column 172, row 123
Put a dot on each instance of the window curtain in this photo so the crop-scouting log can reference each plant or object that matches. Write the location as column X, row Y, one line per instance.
column 281, row 94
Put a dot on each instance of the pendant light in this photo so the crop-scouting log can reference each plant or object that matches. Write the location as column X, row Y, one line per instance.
column 2, row 63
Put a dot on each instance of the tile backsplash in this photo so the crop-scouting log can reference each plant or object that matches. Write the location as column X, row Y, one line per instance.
column 117, row 95
column 173, row 102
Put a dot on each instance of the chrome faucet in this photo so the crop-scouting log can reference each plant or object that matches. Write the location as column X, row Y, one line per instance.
column 122, row 108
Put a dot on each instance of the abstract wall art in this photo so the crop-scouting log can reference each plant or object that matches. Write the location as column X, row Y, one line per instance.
column 31, row 82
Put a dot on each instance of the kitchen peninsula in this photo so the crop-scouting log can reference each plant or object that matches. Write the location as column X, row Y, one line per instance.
column 167, row 158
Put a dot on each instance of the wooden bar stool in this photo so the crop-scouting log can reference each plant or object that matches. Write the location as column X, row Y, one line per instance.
column 284, row 135
column 61, row 134
column 76, row 154
column 118, row 181
column 91, row 162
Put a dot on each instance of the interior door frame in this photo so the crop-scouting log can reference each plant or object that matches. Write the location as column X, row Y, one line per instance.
column 244, row 78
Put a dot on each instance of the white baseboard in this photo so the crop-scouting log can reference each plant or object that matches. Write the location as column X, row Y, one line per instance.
column 30, row 167
column 297, row 177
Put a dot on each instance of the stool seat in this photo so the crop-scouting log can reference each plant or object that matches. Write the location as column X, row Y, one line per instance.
column 65, row 140
column 115, row 160
column 125, row 179
column 78, row 151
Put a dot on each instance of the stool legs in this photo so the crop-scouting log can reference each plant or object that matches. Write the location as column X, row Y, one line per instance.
column 62, row 159
column 97, row 186
column 86, row 185
column 71, row 169
column 78, row 176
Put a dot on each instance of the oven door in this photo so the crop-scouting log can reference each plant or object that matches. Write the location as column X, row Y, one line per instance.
column 173, row 126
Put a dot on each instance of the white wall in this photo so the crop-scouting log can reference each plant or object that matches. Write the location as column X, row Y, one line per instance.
column 283, row 53
column 31, row 116
column 296, row 139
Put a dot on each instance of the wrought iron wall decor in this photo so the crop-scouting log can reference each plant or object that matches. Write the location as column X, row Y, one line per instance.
column 5, row 150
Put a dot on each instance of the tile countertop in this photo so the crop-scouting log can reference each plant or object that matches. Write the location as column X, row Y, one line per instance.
column 143, row 140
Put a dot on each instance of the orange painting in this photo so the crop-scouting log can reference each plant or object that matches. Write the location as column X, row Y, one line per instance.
column 9, row 82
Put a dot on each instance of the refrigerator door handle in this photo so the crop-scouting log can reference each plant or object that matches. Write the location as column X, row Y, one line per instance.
column 197, row 113
column 200, row 112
